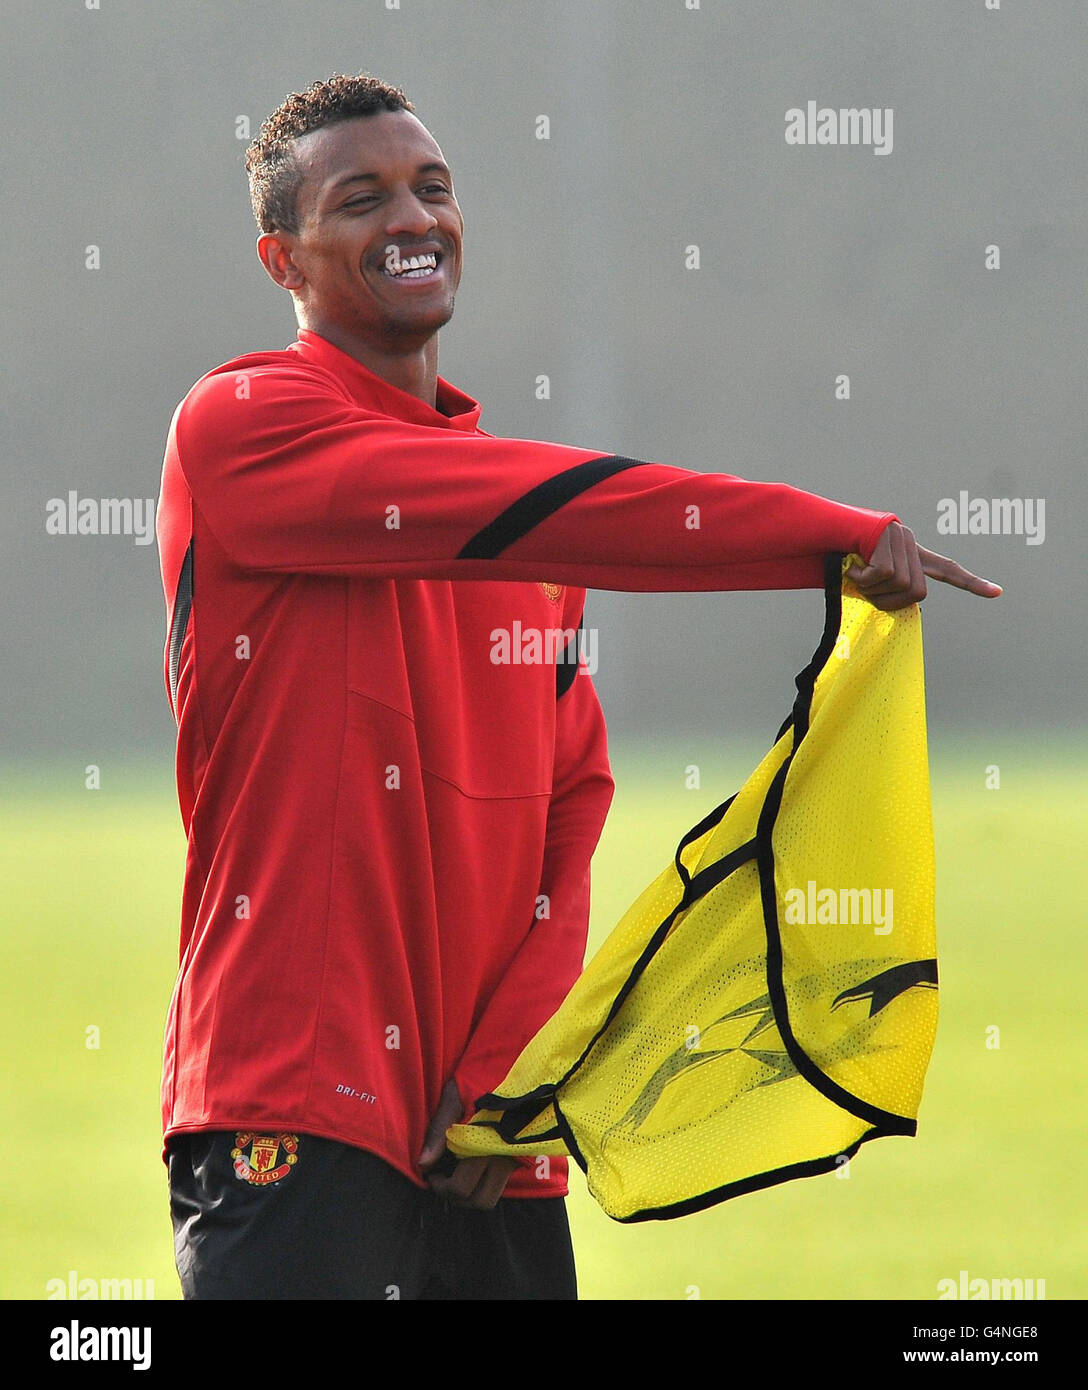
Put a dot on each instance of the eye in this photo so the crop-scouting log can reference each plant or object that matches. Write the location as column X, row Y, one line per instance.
column 369, row 198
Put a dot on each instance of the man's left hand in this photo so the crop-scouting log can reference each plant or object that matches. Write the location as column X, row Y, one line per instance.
column 474, row 1182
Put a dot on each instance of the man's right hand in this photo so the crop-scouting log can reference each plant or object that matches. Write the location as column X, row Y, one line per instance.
column 895, row 576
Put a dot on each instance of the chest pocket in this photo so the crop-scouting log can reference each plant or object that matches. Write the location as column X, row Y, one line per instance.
column 458, row 659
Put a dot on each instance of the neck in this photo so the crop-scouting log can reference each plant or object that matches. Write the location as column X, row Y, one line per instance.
column 414, row 370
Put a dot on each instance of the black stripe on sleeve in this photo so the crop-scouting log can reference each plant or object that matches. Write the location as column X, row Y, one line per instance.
column 566, row 663
column 540, row 502
column 183, row 603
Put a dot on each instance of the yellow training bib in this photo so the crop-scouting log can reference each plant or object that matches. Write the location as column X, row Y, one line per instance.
column 769, row 1002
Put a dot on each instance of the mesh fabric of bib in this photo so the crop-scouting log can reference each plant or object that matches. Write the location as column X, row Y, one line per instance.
column 768, row 1003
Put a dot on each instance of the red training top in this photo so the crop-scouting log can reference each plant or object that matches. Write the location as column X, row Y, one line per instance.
column 391, row 787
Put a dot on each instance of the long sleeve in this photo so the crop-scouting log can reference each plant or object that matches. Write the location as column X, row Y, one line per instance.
column 296, row 476
column 551, row 956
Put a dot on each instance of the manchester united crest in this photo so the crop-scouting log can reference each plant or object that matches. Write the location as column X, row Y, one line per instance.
column 263, row 1164
column 552, row 590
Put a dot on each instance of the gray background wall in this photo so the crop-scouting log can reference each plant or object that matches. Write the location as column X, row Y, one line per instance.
column 666, row 129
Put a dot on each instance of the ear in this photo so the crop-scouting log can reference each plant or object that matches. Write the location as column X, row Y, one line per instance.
column 275, row 254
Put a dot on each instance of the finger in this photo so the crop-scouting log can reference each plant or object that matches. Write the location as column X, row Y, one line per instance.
column 461, row 1187
column 898, row 579
column 434, row 1146
column 493, row 1183
column 430, row 1153
column 443, row 1167
column 949, row 572
column 891, row 603
column 918, row 588
column 443, row 1187
column 891, row 599
column 902, row 543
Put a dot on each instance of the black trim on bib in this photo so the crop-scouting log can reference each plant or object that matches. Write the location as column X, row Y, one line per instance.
column 886, row 1121
column 183, row 604
column 696, row 833
column 809, row 1168
column 539, row 503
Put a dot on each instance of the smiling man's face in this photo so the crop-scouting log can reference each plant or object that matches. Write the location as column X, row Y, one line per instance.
column 375, row 193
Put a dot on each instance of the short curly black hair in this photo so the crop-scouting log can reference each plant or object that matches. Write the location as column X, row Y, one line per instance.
column 274, row 175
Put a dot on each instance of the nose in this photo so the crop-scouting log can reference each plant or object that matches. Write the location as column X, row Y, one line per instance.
column 408, row 214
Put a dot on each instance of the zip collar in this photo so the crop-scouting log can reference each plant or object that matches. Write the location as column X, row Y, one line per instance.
column 455, row 409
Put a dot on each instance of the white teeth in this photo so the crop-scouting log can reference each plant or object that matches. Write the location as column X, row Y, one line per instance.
column 416, row 267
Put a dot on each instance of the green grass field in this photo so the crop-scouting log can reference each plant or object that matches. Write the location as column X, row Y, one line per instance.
column 992, row 1184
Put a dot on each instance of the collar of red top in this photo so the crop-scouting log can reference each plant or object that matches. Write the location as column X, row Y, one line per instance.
column 456, row 410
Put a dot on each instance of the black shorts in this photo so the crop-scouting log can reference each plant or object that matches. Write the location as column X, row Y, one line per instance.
column 327, row 1220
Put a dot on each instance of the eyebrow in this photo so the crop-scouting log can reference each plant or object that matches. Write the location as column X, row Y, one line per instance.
column 432, row 166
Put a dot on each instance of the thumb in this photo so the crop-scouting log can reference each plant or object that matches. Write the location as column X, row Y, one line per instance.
column 448, row 1112
column 434, row 1144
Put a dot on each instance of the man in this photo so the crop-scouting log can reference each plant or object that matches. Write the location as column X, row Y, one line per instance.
column 389, row 825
